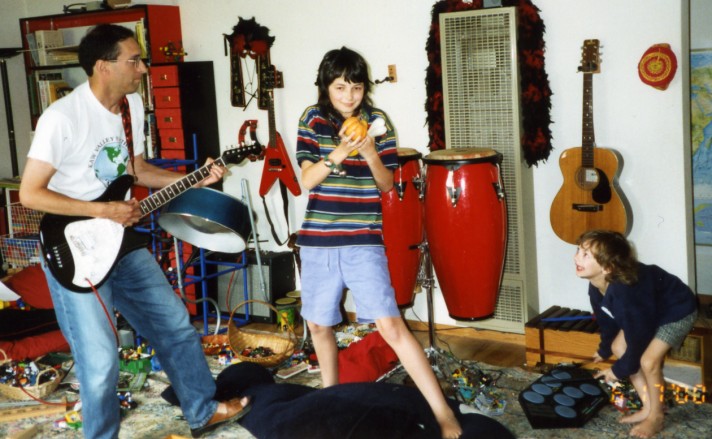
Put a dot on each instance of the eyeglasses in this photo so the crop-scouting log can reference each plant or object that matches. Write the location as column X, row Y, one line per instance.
column 136, row 61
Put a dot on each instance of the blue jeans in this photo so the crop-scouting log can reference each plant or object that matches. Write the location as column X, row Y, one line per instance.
column 138, row 289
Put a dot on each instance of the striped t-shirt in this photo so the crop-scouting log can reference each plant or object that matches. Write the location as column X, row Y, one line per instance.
column 342, row 210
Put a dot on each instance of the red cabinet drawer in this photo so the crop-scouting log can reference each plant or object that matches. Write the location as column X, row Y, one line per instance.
column 172, row 139
column 168, row 118
column 172, row 154
column 164, row 76
column 166, row 97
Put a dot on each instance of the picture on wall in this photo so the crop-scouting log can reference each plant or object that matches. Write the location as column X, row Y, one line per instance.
column 701, row 132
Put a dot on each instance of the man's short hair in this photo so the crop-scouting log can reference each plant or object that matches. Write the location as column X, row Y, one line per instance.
column 101, row 42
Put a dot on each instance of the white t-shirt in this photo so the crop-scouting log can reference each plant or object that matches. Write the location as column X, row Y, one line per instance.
column 85, row 143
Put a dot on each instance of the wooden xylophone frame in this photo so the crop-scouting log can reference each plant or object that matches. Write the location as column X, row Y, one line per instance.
column 562, row 335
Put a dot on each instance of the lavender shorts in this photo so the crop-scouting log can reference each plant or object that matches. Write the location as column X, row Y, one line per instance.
column 363, row 270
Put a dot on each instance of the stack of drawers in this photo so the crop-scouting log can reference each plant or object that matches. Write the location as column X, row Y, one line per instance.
column 185, row 107
column 169, row 120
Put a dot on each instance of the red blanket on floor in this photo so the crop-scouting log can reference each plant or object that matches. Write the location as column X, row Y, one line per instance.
column 24, row 335
column 366, row 360
column 35, row 346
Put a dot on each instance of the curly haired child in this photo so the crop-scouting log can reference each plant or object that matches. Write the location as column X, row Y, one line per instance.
column 642, row 311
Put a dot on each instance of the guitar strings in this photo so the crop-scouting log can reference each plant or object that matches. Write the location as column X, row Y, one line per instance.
column 252, row 91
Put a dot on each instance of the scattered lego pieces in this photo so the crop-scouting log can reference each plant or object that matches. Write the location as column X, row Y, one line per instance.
column 22, row 374
column 137, row 360
column 126, row 401
column 477, row 388
column 258, row 352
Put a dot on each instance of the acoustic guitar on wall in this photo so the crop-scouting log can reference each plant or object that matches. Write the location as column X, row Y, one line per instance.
column 588, row 198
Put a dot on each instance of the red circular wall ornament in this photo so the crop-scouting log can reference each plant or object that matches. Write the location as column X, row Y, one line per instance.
column 657, row 67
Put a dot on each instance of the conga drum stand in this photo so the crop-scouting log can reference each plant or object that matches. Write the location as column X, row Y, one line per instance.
column 444, row 362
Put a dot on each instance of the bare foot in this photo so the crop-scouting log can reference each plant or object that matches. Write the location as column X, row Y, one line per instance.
column 635, row 417
column 450, row 428
column 648, row 428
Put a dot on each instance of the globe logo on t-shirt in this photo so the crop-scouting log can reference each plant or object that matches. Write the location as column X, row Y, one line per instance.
column 111, row 163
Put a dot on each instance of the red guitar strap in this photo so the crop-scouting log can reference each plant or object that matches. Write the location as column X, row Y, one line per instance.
column 126, row 121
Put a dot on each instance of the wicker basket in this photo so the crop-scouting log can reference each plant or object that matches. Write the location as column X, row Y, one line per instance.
column 38, row 391
column 241, row 338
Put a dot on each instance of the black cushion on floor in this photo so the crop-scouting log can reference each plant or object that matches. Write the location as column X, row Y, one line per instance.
column 353, row 410
column 16, row 324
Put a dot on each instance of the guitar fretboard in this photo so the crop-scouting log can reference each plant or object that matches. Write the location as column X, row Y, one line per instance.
column 272, row 123
column 162, row 197
column 588, row 140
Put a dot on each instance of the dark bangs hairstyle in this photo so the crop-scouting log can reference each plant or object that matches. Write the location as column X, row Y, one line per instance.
column 613, row 252
column 335, row 64
column 101, row 42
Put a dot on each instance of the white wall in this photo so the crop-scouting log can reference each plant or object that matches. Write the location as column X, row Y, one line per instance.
column 647, row 126
column 10, row 36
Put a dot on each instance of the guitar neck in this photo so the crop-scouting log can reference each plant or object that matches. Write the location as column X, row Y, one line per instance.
column 272, row 123
column 164, row 196
column 588, row 140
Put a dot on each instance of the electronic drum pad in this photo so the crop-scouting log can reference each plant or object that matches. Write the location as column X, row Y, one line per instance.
column 563, row 398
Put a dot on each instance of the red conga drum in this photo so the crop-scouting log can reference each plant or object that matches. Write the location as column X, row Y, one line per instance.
column 403, row 225
column 466, row 228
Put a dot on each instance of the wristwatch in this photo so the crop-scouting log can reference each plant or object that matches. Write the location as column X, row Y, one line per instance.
column 329, row 164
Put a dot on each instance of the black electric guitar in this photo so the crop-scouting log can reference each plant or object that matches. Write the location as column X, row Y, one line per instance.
column 588, row 198
column 82, row 251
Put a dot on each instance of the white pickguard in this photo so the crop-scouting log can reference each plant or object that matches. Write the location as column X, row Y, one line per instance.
column 95, row 243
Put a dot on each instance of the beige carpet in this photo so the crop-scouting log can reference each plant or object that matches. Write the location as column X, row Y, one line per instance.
column 153, row 418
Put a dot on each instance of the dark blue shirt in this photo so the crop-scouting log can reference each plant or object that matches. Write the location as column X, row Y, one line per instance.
column 639, row 310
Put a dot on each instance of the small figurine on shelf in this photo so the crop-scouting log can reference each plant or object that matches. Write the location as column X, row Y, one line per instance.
column 171, row 51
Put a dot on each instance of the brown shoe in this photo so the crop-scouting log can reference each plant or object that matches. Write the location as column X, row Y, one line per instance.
column 227, row 411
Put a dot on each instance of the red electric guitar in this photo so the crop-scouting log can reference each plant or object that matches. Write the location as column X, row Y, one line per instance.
column 277, row 163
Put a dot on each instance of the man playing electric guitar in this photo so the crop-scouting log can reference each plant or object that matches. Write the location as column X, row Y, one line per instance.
column 83, row 142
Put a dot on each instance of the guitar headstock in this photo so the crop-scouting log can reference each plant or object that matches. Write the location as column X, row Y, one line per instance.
column 241, row 139
column 237, row 155
column 270, row 77
column 590, row 57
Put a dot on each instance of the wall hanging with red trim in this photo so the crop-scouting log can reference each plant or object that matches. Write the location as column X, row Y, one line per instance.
column 248, row 39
